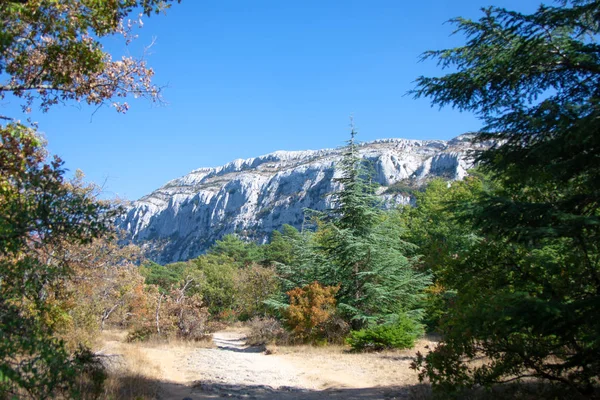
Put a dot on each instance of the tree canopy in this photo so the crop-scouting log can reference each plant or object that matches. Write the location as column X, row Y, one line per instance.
column 529, row 293
column 51, row 52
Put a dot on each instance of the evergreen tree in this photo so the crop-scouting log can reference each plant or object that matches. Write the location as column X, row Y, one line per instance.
column 355, row 204
column 529, row 294
column 365, row 254
column 281, row 247
column 232, row 246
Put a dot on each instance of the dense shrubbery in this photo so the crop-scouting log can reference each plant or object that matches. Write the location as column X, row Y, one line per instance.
column 399, row 335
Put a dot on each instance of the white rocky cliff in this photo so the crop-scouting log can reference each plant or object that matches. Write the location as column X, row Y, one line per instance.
column 256, row 196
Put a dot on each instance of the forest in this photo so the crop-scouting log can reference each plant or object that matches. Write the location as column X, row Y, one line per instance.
column 504, row 266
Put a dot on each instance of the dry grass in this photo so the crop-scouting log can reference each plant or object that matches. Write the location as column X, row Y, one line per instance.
column 131, row 376
column 307, row 349
column 113, row 335
column 343, row 368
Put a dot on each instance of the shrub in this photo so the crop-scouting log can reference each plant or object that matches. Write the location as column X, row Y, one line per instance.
column 311, row 307
column 400, row 335
column 253, row 285
column 335, row 329
column 171, row 315
column 266, row 331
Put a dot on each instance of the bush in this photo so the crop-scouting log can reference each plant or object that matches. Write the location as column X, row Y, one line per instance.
column 335, row 330
column 170, row 315
column 253, row 285
column 401, row 335
column 266, row 331
column 311, row 307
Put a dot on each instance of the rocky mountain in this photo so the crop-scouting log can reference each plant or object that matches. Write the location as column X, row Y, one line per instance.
column 253, row 197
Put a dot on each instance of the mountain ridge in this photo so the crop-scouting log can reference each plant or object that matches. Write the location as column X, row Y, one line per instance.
column 254, row 196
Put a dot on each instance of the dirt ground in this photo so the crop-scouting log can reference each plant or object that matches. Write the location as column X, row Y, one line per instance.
column 230, row 369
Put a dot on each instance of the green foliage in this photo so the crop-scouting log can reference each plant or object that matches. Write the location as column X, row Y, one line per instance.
column 50, row 51
column 434, row 226
column 359, row 248
column 433, row 223
column 217, row 286
column 39, row 214
column 253, row 286
column 404, row 187
column 528, row 290
column 365, row 253
column 235, row 248
column 281, row 249
column 165, row 277
column 356, row 204
column 400, row 335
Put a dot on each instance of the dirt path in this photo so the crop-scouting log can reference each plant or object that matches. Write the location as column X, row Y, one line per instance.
column 233, row 370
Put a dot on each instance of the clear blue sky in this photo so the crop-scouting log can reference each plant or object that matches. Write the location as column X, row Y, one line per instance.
column 249, row 77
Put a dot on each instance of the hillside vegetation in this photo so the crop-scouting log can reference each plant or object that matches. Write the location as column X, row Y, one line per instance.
column 503, row 265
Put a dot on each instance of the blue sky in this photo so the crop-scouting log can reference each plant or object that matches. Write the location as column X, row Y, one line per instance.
column 244, row 78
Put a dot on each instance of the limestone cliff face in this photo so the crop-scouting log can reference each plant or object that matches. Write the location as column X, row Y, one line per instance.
column 253, row 197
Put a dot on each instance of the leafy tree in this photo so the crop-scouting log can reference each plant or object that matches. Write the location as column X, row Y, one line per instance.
column 217, row 285
column 99, row 289
column 166, row 277
column 433, row 224
column 178, row 313
column 50, row 51
column 442, row 239
column 529, row 294
column 39, row 214
column 232, row 246
column 254, row 285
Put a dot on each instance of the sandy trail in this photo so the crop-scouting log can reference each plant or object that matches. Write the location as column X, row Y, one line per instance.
column 234, row 370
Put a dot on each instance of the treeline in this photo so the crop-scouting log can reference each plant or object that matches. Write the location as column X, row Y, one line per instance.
column 353, row 275
column 504, row 265
column 518, row 297
column 373, row 280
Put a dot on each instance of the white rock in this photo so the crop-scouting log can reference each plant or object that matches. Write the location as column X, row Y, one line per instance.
column 255, row 196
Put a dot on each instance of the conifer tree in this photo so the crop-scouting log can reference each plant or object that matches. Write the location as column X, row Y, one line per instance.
column 529, row 294
column 365, row 254
column 355, row 202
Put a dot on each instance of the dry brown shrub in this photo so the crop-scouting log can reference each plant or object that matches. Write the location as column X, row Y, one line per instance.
column 266, row 331
column 311, row 312
column 169, row 316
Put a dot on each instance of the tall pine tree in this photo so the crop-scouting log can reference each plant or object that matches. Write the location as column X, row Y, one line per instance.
column 529, row 295
column 365, row 252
